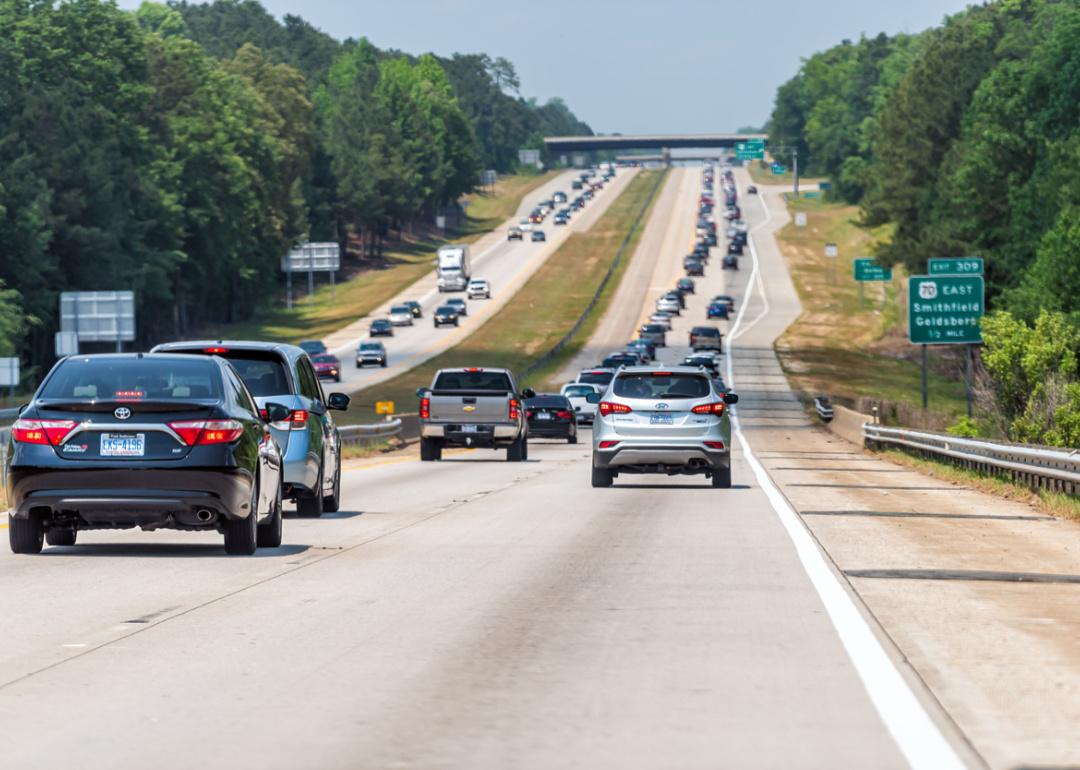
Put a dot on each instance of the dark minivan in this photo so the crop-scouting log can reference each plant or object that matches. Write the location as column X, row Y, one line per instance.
column 152, row 441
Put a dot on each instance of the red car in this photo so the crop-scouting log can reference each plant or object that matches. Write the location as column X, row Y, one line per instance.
column 327, row 366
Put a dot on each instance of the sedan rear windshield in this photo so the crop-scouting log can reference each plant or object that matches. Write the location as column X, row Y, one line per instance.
column 552, row 402
column 595, row 378
column 577, row 391
column 661, row 386
column 134, row 379
column 494, row 381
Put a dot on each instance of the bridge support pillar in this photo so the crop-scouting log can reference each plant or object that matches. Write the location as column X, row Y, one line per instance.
column 665, row 153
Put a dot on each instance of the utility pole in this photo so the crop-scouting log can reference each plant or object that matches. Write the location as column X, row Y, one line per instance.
column 795, row 169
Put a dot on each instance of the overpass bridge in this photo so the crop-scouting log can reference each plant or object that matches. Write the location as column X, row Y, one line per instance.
column 563, row 145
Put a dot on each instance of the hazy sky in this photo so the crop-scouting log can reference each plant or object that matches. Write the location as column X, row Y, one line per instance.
column 631, row 66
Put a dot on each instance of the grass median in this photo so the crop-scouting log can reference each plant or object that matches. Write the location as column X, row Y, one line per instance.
column 541, row 313
column 850, row 342
column 332, row 308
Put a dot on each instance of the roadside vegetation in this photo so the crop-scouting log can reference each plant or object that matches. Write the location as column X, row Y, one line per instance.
column 962, row 140
column 180, row 150
column 541, row 312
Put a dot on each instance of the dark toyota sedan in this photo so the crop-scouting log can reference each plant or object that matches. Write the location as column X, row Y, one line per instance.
column 447, row 314
column 151, row 441
column 551, row 416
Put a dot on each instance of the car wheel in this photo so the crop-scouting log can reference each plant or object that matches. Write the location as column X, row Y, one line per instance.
column 310, row 504
column 269, row 532
column 242, row 535
column 383, row 364
column 332, row 501
column 601, row 477
column 26, row 535
column 515, row 453
column 430, row 449
column 338, row 378
column 457, row 323
column 524, row 448
column 61, row 535
column 721, row 478
column 572, row 438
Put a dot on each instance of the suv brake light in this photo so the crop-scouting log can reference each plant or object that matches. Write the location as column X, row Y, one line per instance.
column 202, row 432
column 607, row 407
column 716, row 408
column 42, row 431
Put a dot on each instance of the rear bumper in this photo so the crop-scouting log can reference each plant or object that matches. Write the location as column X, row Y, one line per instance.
column 551, row 430
column 672, row 458
column 485, row 434
column 124, row 497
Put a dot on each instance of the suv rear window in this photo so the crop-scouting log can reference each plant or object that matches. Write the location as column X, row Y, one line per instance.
column 662, row 386
column 263, row 372
column 705, row 331
column 496, row 381
column 576, row 391
column 595, row 378
column 134, row 379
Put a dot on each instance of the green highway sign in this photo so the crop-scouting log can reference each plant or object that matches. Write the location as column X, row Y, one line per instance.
column 956, row 266
column 867, row 269
column 752, row 149
column 778, row 168
column 945, row 309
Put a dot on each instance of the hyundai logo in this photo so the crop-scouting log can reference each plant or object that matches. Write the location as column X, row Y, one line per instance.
column 661, row 405
column 122, row 413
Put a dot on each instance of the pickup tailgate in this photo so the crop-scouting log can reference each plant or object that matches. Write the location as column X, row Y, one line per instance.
column 465, row 407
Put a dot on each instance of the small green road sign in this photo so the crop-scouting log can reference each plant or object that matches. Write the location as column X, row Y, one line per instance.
column 956, row 266
column 867, row 269
column 778, row 168
column 945, row 309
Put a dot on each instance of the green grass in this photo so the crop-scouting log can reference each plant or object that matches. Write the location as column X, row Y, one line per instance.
column 543, row 310
column 403, row 264
column 851, row 343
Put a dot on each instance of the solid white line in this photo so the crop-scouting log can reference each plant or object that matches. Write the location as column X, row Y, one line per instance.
column 918, row 738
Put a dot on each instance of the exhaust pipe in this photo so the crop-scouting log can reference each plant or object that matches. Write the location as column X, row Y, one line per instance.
column 204, row 515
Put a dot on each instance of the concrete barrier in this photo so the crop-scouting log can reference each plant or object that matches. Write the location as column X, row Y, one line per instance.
column 847, row 424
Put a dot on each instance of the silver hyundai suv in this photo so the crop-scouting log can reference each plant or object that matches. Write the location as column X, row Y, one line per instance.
column 671, row 421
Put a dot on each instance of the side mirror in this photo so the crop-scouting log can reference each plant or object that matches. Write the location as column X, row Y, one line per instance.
column 592, row 398
column 421, row 392
column 529, row 393
column 277, row 412
column 731, row 398
column 338, row 401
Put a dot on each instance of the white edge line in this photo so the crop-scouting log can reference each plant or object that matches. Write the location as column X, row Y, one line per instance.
column 918, row 738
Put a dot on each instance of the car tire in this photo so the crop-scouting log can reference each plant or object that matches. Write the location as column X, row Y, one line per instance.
column 242, row 535
column 309, row 505
column 26, row 535
column 332, row 501
column 430, row 450
column 515, row 453
column 602, row 478
column 572, row 439
column 721, row 478
column 383, row 364
column 61, row 535
column 269, row 532
column 524, row 448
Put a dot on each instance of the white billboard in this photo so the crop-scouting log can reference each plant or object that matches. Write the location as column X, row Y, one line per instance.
column 98, row 316
column 313, row 257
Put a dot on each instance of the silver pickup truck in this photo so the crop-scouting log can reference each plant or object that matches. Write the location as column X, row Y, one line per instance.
column 473, row 407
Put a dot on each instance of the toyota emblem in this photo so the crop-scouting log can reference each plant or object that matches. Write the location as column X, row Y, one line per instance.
column 122, row 413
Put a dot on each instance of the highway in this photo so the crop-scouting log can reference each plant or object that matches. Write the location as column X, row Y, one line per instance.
column 475, row 613
column 506, row 264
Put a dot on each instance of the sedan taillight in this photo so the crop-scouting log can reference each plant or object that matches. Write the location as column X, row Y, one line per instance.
column 562, row 414
column 42, row 431
column 202, row 432
column 607, row 407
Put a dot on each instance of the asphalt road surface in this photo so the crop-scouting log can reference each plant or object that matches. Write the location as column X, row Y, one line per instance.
column 475, row 613
column 506, row 264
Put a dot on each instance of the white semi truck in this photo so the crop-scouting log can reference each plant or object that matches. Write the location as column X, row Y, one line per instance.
column 453, row 269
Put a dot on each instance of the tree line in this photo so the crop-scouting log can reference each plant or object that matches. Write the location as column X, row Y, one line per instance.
column 965, row 140
column 181, row 149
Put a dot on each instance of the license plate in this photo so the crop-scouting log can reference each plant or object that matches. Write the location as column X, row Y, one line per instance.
column 543, row 416
column 121, row 445
column 470, row 428
column 662, row 419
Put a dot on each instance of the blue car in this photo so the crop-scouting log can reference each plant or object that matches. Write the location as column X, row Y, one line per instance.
column 308, row 437
column 717, row 310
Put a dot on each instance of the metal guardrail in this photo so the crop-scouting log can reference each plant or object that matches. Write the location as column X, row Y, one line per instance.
column 9, row 413
column 558, row 346
column 823, row 408
column 1047, row 468
column 366, row 434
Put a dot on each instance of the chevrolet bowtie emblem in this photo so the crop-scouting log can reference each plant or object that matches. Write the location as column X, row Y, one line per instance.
column 469, row 408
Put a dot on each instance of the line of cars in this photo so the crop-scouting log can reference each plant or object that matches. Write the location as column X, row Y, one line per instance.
column 203, row 435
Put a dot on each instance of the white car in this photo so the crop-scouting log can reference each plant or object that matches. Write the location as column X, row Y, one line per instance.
column 664, row 319
column 479, row 287
column 668, row 305
column 525, row 225
column 578, row 393
column 401, row 315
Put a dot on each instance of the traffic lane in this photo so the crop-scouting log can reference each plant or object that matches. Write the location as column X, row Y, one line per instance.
column 545, row 624
column 507, row 266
